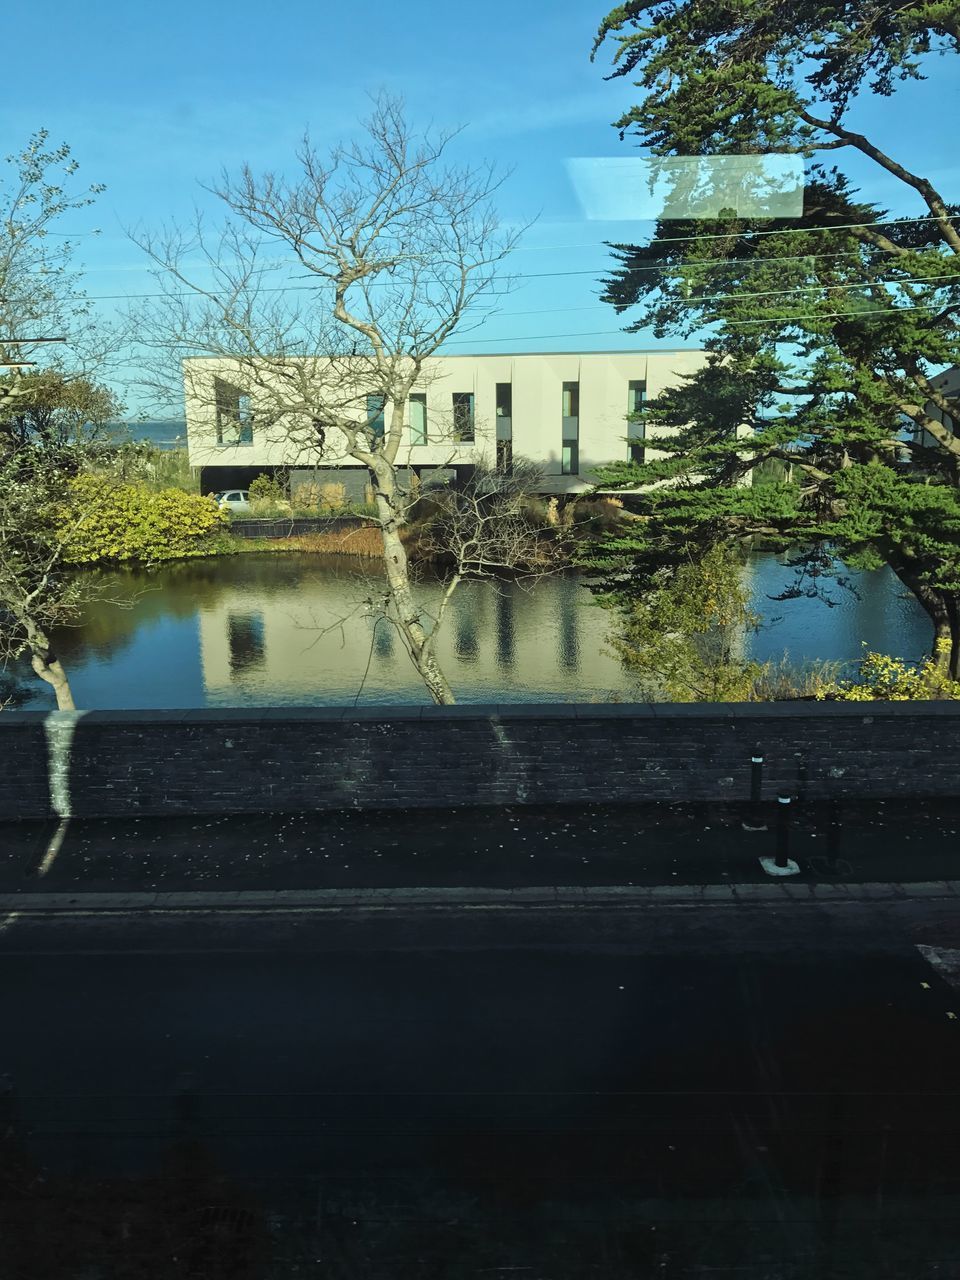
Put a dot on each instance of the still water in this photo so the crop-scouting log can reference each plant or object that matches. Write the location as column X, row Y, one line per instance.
column 295, row 630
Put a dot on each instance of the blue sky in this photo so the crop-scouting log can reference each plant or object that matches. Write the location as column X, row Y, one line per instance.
column 155, row 100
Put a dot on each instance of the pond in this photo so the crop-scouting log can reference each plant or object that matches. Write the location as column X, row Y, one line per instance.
column 296, row 630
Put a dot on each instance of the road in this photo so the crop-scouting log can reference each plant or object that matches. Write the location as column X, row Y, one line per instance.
column 532, row 1076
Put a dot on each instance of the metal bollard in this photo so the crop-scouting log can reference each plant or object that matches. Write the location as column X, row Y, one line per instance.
column 781, row 864
column 756, row 788
column 783, row 832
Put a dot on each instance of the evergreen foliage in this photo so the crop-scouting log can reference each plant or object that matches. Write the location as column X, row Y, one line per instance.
column 818, row 421
column 680, row 637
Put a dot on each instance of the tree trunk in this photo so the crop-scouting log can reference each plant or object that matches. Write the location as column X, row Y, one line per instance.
column 953, row 608
column 48, row 667
column 943, row 610
column 419, row 643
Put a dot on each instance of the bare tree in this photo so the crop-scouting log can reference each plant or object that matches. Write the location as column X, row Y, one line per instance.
column 41, row 294
column 395, row 245
column 42, row 413
column 482, row 530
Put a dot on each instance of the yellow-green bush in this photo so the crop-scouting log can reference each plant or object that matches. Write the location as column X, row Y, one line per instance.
column 888, row 679
column 107, row 521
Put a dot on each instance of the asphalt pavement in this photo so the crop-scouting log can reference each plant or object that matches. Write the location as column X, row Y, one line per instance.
column 564, row 1043
column 767, row 1088
column 506, row 848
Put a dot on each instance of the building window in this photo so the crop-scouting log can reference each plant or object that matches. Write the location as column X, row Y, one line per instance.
column 234, row 414
column 570, row 433
column 463, row 416
column 571, row 400
column 418, row 419
column 636, row 425
column 570, row 458
column 505, row 400
column 375, row 415
column 505, row 427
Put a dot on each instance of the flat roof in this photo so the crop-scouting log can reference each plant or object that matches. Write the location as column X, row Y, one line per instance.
column 608, row 351
column 492, row 355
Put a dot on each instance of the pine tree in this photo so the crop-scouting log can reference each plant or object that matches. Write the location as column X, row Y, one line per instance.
column 817, row 422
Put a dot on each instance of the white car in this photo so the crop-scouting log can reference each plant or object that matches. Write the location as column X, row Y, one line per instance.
column 233, row 499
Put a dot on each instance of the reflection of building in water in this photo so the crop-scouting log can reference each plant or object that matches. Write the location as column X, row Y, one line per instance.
column 383, row 638
column 465, row 622
column 245, row 641
column 567, row 611
column 311, row 641
column 504, row 624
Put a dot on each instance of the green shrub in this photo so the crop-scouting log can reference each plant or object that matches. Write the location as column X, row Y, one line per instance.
column 681, row 637
column 266, row 488
column 106, row 521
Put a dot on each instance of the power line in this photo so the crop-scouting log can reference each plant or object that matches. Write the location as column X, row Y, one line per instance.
column 844, row 315
column 303, row 288
column 796, row 231
column 547, row 275
column 720, row 235
column 724, row 235
column 599, row 333
column 854, row 284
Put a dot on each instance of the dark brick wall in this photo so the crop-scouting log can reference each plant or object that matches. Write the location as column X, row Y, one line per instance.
column 293, row 527
column 166, row 762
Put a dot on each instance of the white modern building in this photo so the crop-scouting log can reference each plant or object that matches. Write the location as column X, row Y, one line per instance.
column 948, row 383
column 565, row 411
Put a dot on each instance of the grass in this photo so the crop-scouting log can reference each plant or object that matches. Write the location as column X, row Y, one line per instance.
column 360, row 541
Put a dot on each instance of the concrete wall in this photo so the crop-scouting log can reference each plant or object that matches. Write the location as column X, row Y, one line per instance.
column 536, row 380
column 168, row 762
column 948, row 383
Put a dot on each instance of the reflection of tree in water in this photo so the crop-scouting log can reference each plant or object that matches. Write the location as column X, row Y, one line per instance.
column 131, row 600
column 147, row 595
column 15, row 688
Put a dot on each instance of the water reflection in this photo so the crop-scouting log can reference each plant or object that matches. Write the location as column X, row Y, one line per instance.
column 505, row 633
column 383, row 639
column 297, row 630
column 567, row 618
column 465, row 646
column 245, row 641
column 874, row 608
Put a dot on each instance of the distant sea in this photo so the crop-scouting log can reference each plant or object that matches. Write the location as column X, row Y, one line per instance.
column 165, row 434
